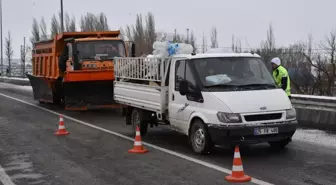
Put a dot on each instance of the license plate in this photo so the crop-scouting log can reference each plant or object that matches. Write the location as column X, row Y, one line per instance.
column 266, row 130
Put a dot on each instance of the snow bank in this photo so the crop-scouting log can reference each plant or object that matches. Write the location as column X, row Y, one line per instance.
column 14, row 78
column 313, row 97
column 317, row 137
column 13, row 86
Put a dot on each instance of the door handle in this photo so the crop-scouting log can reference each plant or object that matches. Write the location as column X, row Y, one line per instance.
column 173, row 97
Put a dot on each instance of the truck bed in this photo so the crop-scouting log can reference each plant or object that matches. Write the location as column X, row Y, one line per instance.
column 146, row 97
column 139, row 83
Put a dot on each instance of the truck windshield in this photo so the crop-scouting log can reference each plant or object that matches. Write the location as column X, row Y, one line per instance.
column 233, row 72
column 100, row 50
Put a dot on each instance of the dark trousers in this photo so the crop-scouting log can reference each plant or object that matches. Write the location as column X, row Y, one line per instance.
column 290, row 97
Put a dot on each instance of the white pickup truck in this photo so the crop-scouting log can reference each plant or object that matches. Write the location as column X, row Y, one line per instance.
column 214, row 99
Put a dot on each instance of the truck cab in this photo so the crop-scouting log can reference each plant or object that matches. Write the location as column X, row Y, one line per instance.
column 214, row 99
column 93, row 53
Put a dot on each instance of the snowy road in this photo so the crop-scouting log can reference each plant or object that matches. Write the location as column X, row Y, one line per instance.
column 95, row 157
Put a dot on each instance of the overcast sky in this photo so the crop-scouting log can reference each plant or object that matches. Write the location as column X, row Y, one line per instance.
column 292, row 20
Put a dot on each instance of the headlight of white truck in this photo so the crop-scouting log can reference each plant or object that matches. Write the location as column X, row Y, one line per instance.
column 291, row 114
column 229, row 117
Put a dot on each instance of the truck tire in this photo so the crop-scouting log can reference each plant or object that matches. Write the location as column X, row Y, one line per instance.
column 137, row 119
column 279, row 144
column 200, row 138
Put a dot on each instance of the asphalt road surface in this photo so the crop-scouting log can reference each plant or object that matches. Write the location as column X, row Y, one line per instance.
column 95, row 152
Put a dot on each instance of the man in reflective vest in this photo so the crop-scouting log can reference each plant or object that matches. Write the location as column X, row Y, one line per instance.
column 281, row 76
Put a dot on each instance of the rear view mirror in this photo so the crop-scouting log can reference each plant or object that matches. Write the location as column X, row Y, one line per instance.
column 183, row 85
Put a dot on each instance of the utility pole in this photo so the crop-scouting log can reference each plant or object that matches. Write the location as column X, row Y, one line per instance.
column 1, row 38
column 187, row 35
column 62, row 24
column 23, row 56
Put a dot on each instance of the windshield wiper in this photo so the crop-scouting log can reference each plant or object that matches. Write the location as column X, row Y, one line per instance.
column 259, row 85
column 221, row 85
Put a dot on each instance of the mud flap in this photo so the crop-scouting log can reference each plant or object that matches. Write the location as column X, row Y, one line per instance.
column 88, row 95
column 41, row 90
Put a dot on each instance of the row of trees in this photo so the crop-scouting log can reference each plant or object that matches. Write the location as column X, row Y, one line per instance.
column 312, row 70
column 311, row 67
column 143, row 32
column 88, row 22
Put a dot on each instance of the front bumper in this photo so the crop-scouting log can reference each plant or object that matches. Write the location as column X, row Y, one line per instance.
column 244, row 134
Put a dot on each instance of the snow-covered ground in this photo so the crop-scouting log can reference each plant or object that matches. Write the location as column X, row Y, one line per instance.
column 313, row 136
column 15, row 78
column 317, row 137
column 18, row 87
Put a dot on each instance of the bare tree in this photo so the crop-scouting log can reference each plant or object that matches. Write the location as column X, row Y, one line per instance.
column 139, row 35
column 178, row 37
column 67, row 21
column 88, row 22
column 55, row 26
column 204, row 44
column 9, row 51
column 129, row 33
column 122, row 34
column 270, row 38
column 268, row 47
column 150, row 32
column 236, row 45
column 192, row 41
column 102, row 24
column 72, row 26
column 35, row 32
column 91, row 22
column 214, row 39
column 325, row 65
column 70, row 23
column 161, row 36
column 43, row 28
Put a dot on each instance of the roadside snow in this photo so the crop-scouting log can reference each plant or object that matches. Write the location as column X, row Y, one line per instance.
column 317, row 137
column 313, row 97
column 13, row 86
column 14, row 78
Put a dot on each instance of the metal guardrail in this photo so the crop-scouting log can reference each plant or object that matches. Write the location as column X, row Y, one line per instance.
column 310, row 101
column 298, row 100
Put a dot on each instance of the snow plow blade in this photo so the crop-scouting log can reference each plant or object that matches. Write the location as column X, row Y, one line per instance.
column 41, row 89
column 88, row 95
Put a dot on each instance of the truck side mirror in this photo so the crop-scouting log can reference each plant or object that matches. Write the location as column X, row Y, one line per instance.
column 133, row 49
column 183, row 86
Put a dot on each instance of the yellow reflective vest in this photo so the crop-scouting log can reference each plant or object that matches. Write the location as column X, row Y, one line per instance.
column 282, row 79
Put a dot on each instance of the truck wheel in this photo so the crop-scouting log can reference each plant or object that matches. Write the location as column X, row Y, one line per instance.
column 199, row 138
column 279, row 144
column 137, row 120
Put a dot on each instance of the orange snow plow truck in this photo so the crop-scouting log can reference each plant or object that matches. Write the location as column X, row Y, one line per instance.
column 76, row 69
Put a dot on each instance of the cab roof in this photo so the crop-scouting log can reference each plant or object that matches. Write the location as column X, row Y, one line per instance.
column 215, row 55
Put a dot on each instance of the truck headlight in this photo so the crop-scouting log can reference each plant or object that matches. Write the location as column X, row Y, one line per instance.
column 229, row 117
column 291, row 114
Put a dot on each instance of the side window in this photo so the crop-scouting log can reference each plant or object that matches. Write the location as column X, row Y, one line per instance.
column 179, row 73
column 190, row 78
column 70, row 50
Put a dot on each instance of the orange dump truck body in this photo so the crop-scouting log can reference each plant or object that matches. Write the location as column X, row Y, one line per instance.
column 70, row 70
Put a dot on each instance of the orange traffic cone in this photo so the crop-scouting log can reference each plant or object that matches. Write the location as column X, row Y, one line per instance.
column 61, row 128
column 237, row 169
column 138, row 148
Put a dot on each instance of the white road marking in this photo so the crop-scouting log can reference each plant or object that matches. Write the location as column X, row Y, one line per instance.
column 188, row 158
column 4, row 178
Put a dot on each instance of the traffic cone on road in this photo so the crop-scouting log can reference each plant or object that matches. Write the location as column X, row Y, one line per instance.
column 61, row 128
column 138, row 148
column 237, row 169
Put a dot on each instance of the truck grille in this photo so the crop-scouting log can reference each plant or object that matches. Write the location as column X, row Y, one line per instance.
column 263, row 117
